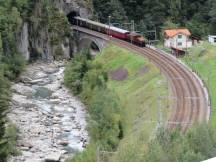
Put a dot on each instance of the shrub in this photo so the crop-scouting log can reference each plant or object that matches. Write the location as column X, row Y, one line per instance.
column 88, row 79
column 13, row 65
column 76, row 70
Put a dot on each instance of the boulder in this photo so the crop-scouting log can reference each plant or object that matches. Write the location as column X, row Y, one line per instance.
column 39, row 75
column 25, row 148
column 25, row 79
column 50, row 69
column 64, row 143
column 26, row 144
column 54, row 157
column 22, row 90
column 22, row 101
column 41, row 82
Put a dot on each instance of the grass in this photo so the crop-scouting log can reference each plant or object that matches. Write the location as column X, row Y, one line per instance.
column 139, row 99
column 202, row 59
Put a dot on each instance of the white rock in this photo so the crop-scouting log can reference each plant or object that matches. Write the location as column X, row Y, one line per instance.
column 23, row 90
column 50, row 70
column 39, row 75
column 25, row 79
column 54, row 157
column 22, row 101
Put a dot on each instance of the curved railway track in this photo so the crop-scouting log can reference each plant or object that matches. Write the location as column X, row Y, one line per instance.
column 190, row 102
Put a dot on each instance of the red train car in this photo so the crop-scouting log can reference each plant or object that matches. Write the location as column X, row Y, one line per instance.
column 135, row 38
column 118, row 33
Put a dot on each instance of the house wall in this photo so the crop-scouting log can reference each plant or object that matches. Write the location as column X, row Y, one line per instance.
column 185, row 41
column 212, row 39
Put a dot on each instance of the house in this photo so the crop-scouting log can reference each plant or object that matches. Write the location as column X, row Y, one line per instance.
column 212, row 39
column 177, row 38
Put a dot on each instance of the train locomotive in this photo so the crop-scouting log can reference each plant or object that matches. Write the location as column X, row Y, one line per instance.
column 115, row 32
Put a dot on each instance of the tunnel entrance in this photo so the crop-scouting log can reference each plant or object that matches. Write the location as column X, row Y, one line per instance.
column 71, row 16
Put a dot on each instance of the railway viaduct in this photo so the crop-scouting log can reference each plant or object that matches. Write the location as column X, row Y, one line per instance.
column 191, row 101
column 86, row 40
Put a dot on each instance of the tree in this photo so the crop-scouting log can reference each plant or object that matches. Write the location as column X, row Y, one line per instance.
column 212, row 14
column 105, row 8
column 154, row 13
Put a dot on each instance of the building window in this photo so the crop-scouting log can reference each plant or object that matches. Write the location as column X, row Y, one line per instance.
column 179, row 36
column 214, row 40
column 179, row 43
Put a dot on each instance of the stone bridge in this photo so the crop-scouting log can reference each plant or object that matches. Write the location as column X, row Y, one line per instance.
column 85, row 40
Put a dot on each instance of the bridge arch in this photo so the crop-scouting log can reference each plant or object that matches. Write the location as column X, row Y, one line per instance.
column 92, row 44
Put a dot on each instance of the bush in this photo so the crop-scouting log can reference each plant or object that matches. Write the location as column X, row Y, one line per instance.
column 4, row 103
column 13, row 65
column 75, row 71
column 172, row 146
column 88, row 79
column 88, row 155
column 104, row 110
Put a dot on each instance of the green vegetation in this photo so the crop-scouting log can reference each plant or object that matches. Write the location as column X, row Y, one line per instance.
column 196, row 145
column 120, row 111
column 137, row 136
column 197, row 15
column 45, row 24
column 48, row 23
column 88, row 80
column 138, row 94
column 202, row 59
column 11, row 64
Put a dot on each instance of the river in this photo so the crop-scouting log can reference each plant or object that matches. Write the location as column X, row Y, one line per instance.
column 51, row 121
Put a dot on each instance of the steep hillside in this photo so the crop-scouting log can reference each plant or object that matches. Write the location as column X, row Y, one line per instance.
column 45, row 32
column 124, row 112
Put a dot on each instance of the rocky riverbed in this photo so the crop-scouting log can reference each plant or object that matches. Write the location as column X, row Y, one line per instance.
column 52, row 122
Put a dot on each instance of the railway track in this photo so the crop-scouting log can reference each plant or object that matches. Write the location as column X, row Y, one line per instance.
column 190, row 103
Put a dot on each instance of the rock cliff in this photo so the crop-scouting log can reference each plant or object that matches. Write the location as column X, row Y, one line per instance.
column 45, row 35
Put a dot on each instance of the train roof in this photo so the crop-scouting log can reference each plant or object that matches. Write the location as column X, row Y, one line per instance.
column 102, row 25
column 119, row 29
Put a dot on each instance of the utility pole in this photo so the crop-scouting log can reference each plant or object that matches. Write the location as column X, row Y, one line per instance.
column 155, row 33
column 149, row 33
column 98, row 154
column 132, row 30
column 109, row 26
column 159, row 112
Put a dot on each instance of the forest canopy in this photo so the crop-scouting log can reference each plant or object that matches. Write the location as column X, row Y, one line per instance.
column 198, row 15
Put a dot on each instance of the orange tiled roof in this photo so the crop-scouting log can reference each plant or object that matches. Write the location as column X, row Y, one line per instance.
column 173, row 32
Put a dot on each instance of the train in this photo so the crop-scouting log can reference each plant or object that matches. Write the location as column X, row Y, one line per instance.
column 115, row 32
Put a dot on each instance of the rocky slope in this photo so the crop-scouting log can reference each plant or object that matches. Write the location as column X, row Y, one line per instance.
column 51, row 121
column 34, row 37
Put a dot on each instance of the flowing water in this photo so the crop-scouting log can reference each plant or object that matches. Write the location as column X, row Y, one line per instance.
column 52, row 122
